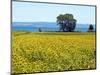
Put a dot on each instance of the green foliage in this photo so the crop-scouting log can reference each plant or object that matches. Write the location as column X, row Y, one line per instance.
column 90, row 27
column 66, row 22
column 65, row 17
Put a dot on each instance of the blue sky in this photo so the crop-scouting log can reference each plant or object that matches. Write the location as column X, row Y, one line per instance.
column 40, row 12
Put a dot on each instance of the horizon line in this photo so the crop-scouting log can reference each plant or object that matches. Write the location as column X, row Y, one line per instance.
column 53, row 22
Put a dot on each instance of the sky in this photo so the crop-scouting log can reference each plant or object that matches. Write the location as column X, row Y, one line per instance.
column 42, row 12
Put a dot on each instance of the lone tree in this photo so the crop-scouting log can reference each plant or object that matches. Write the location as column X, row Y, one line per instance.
column 90, row 28
column 40, row 30
column 66, row 22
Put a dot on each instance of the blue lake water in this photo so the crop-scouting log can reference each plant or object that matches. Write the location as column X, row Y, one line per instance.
column 44, row 26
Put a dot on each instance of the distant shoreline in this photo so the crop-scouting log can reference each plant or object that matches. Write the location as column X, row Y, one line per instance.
column 44, row 26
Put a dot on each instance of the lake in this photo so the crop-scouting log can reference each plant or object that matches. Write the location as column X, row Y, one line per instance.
column 44, row 26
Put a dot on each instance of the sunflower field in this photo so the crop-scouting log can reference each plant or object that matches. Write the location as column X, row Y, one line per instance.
column 52, row 51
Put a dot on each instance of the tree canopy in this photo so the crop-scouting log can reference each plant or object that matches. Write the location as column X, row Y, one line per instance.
column 91, row 28
column 66, row 22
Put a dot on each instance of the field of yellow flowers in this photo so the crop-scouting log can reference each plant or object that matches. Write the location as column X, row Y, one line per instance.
column 52, row 51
